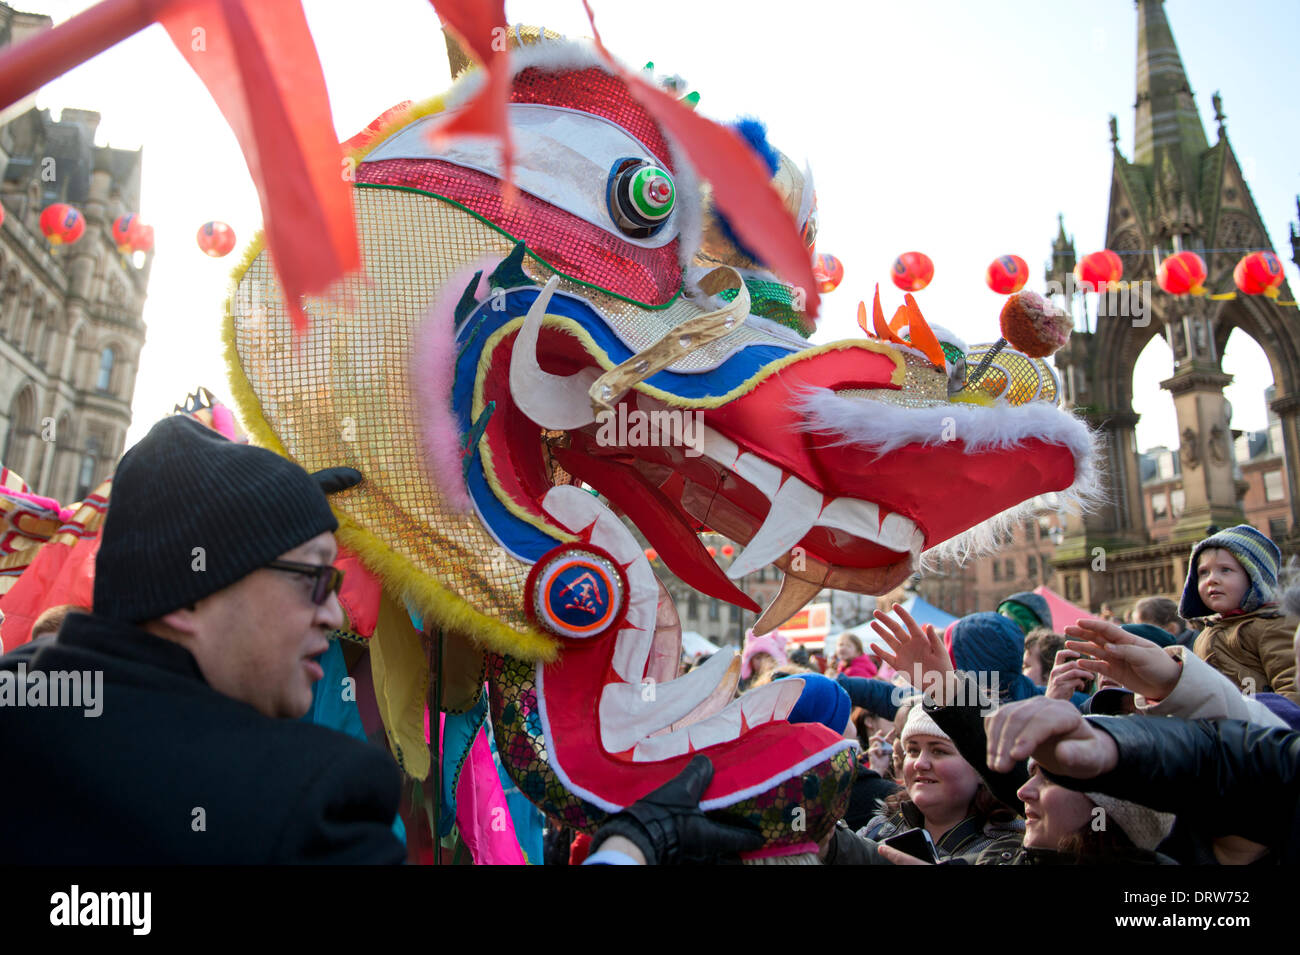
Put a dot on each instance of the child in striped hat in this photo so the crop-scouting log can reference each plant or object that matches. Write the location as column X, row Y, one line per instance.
column 1231, row 580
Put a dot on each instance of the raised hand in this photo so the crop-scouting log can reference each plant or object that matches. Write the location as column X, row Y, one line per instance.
column 1068, row 676
column 1054, row 733
column 915, row 652
column 1131, row 661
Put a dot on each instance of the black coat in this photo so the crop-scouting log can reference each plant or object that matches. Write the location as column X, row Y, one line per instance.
column 172, row 771
column 1223, row 777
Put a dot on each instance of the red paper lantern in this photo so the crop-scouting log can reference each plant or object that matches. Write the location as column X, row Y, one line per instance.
column 2, row 215
column 1259, row 273
column 124, row 230
column 713, row 552
column 216, row 239
column 912, row 271
column 650, row 554
column 727, row 550
column 1181, row 273
column 142, row 241
column 828, row 271
column 1007, row 274
column 62, row 224
column 1098, row 270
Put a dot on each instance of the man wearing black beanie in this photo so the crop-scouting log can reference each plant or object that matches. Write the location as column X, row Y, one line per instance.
column 214, row 595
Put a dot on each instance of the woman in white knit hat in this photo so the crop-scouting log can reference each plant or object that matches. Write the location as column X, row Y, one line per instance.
column 944, row 796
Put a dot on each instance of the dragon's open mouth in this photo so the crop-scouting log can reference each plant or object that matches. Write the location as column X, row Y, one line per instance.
column 755, row 453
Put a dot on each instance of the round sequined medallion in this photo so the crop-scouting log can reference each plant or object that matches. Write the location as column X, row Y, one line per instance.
column 576, row 591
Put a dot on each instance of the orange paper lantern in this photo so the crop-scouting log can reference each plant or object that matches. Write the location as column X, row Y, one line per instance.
column 1259, row 273
column 1182, row 273
column 62, row 224
column 1007, row 274
column 216, row 239
column 124, row 230
column 142, row 241
column 912, row 271
column 650, row 554
column 829, row 271
column 1098, row 270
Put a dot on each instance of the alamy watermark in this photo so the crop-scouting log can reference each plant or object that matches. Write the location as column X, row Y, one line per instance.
column 83, row 689
column 661, row 428
column 978, row 688
column 1119, row 300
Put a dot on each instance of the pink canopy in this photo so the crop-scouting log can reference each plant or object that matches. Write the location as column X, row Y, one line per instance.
column 1064, row 613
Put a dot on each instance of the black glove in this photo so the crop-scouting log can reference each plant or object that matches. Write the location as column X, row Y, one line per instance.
column 670, row 829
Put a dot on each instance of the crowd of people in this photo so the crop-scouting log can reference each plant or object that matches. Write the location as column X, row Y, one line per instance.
column 970, row 748
column 1174, row 738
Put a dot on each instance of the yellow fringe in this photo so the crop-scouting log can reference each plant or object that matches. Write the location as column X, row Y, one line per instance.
column 434, row 104
column 401, row 577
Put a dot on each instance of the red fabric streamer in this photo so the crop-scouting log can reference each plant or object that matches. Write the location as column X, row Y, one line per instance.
column 255, row 59
column 742, row 187
column 59, row 574
column 480, row 24
column 259, row 63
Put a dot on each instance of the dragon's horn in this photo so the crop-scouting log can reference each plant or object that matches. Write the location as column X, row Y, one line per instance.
column 922, row 336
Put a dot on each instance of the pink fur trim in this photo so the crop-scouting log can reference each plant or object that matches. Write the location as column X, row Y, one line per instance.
column 432, row 371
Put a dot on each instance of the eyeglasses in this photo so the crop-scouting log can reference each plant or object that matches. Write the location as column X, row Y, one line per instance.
column 328, row 577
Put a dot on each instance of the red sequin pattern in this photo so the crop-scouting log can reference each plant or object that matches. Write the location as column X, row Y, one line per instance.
column 568, row 244
column 592, row 91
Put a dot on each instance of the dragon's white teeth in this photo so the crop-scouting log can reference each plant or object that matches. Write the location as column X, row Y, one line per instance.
column 896, row 532
column 632, row 711
column 716, row 701
column 720, row 449
column 766, row 477
column 762, row 705
column 553, row 401
column 794, row 511
column 860, row 518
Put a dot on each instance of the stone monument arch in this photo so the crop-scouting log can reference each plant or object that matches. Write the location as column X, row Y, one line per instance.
column 1177, row 192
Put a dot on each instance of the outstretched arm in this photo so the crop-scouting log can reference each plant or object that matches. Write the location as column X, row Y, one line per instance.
column 1224, row 770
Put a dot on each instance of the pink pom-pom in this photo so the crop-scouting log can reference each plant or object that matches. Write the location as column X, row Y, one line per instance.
column 1033, row 325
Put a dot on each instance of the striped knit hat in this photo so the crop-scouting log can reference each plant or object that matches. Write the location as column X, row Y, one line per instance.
column 1259, row 558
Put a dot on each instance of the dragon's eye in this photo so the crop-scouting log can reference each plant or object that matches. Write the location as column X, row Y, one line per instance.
column 641, row 197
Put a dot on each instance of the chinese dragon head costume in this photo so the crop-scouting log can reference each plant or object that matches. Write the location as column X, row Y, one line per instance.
column 476, row 375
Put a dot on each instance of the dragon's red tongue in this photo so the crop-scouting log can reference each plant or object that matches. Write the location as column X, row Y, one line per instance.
column 663, row 525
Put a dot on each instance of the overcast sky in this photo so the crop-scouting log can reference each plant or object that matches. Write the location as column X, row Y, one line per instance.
column 956, row 128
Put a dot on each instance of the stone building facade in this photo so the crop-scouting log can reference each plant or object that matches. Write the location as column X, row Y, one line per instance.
column 70, row 317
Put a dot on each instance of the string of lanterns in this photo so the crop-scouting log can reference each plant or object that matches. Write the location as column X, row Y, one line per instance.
column 1183, row 273
column 63, row 224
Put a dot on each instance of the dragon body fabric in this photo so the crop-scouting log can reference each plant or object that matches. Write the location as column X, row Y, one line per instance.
column 505, row 355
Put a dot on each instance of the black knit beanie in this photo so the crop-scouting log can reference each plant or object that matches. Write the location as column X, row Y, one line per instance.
column 191, row 512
